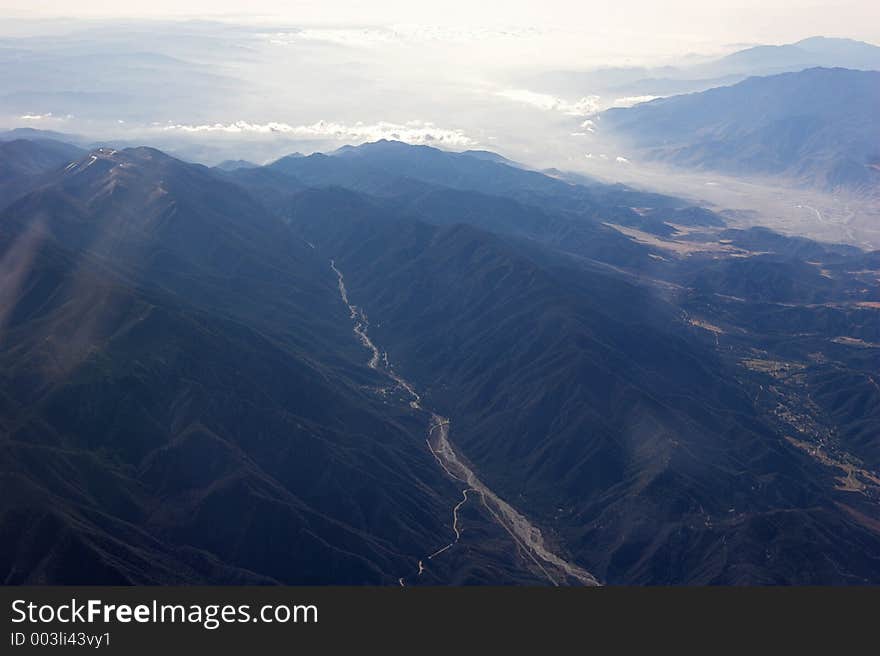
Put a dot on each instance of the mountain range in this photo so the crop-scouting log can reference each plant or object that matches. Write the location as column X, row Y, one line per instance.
column 818, row 127
column 235, row 374
column 813, row 52
column 702, row 73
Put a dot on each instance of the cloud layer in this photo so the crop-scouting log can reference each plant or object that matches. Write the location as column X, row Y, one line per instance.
column 414, row 132
column 629, row 101
column 368, row 36
column 586, row 106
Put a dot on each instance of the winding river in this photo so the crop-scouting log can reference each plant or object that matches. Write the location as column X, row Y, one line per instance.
column 525, row 535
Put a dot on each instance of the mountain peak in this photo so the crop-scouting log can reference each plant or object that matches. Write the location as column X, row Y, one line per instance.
column 142, row 160
column 823, row 42
column 381, row 146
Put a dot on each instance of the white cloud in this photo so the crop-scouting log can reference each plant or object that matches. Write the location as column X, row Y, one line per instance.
column 353, row 37
column 48, row 116
column 586, row 106
column 621, row 160
column 400, row 33
column 415, row 132
column 629, row 101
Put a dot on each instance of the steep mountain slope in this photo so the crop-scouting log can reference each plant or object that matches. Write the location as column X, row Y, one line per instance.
column 190, row 392
column 22, row 157
column 577, row 394
column 183, row 399
column 819, row 127
column 174, row 449
column 24, row 162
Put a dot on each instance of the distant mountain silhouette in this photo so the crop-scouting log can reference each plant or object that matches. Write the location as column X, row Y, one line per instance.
column 818, row 127
column 761, row 60
column 234, row 164
column 814, row 52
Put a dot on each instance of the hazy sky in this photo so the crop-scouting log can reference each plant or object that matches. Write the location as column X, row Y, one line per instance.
column 274, row 76
column 732, row 21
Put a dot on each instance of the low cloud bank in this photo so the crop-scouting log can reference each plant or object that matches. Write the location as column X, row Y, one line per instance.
column 414, row 132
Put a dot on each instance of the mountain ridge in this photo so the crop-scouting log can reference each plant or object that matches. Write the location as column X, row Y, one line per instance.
column 186, row 398
column 816, row 126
